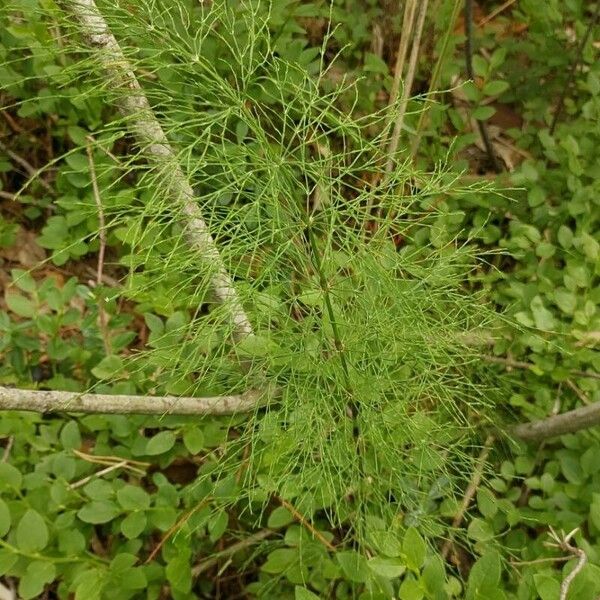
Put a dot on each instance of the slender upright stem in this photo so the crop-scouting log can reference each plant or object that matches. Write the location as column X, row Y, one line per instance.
column 435, row 76
column 406, row 91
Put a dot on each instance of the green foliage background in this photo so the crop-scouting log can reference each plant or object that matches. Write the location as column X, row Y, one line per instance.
column 273, row 110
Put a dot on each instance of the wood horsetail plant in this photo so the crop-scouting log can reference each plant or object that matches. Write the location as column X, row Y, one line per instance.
column 237, row 190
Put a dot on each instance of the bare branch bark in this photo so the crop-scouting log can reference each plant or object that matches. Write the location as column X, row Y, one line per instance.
column 569, row 422
column 408, row 83
column 134, row 105
column 470, row 491
column 51, row 402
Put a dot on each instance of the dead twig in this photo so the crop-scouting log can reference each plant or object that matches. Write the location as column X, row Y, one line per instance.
column 180, row 522
column 135, row 466
column 540, row 561
column 9, row 444
column 407, row 28
column 46, row 401
column 578, row 392
column 435, row 76
column 133, row 104
column 470, row 491
column 519, row 364
column 31, row 171
column 100, row 473
column 307, row 524
column 102, row 315
column 569, row 422
column 495, row 13
column 251, row 540
column 562, row 542
column 406, row 91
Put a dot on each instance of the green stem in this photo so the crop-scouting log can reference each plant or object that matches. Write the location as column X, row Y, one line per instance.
column 54, row 559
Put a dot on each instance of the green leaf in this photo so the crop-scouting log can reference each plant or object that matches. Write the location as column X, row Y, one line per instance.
column 482, row 113
column 38, row 574
column 593, row 83
column 414, row 549
column 98, row 511
column 480, row 531
column 434, row 577
column 411, row 590
column 280, row 517
column 565, row 300
column 71, row 542
column 495, row 88
column 162, row 517
column 133, row 525
column 21, row 306
column 23, row 280
column 301, row 593
column 217, row 525
column 590, row 247
column 546, row 586
column 480, row 65
column 7, row 560
column 193, row 439
column 108, row 368
column 99, row 489
column 387, row 567
column 595, row 511
column 387, row 543
column 32, row 532
column 70, row 437
column 498, row 57
column 484, row 575
column 133, row 497
column 486, row 503
column 159, row 444
column 132, row 579
column 10, row 477
column 5, row 519
column 279, row 560
column 541, row 315
column 354, row 566
column 89, row 585
column 179, row 573
column 257, row 346
column 536, row 196
column 154, row 323
column 375, row 64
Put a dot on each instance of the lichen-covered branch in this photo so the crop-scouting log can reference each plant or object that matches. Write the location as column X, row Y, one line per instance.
column 52, row 401
column 133, row 104
column 569, row 422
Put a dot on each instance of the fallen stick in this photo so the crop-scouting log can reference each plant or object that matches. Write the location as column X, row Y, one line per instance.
column 52, row 401
column 569, row 422
column 133, row 104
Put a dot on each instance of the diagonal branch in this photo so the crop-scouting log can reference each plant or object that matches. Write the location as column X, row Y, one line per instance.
column 569, row 422
column 133, row 104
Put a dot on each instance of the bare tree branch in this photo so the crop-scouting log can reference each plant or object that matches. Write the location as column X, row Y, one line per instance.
column 133, row 104
column 51, row 401
column 569, row 422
